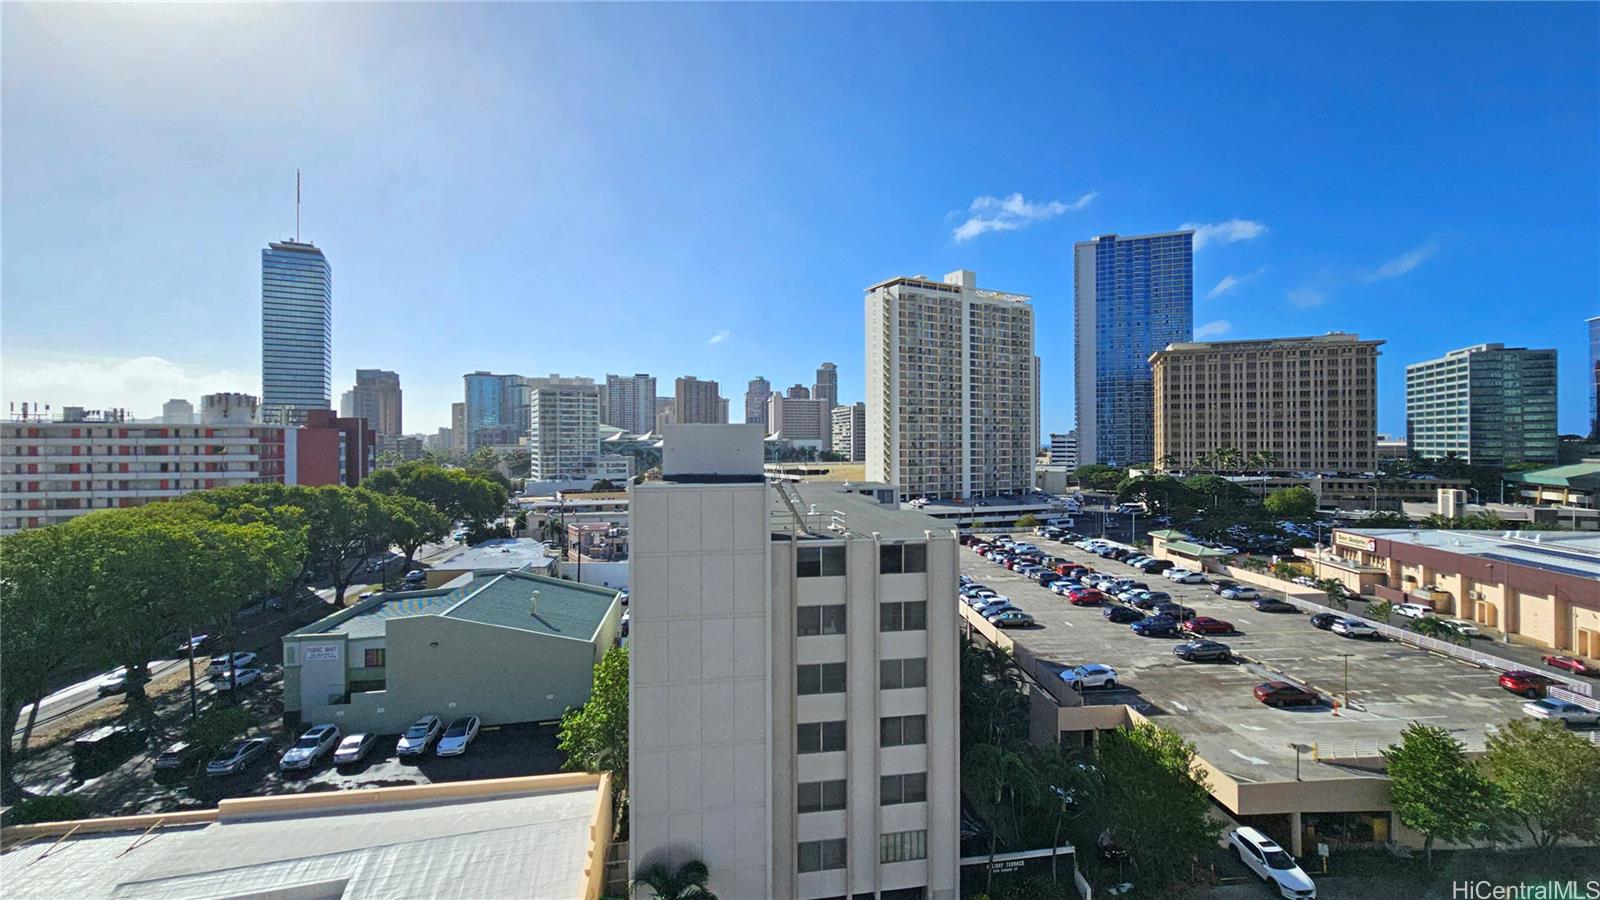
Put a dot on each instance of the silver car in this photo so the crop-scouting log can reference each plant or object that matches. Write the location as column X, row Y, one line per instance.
column 312, row 746
column 354, row 748
column 416, row 739
column 458, row 736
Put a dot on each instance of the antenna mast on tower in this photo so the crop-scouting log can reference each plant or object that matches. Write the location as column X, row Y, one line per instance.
column 297, row 206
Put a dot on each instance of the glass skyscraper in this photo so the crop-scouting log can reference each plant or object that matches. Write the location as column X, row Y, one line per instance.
column 1594, row 379
column 296, row 332
column 1135, row 295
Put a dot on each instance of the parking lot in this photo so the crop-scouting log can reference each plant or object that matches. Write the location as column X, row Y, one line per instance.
column 1390, row 684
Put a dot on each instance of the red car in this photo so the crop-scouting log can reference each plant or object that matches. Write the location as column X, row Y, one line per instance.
column 1207, row 625
column 1282, row 693
column 1571, row 663
column 1085, row 597
column 1529, row 684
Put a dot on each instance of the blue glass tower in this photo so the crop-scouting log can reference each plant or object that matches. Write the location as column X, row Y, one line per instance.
column 1135, row 295
column 296, row 332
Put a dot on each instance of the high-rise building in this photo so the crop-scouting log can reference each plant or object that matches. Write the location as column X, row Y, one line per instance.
column 794, row 687
column 697, row 402
column 1594, row 379
column 755, row 401
column 850, row 431
column 485, row 401
column 798, row 392
column 458, row 427
column 1135, row 295
column 827, row 386
column 631, row 403
column 950, row 388
column 564, row 435
column 1308, row 404
column 347, row 403
column 802, row 421
column 376, row 398
column 296, row 331
column 1064, row 449
column 1488, row 404
column 177, row 412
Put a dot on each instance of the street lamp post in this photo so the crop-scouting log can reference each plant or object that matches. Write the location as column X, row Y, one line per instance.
column 1374, row 497
column 1298, row 749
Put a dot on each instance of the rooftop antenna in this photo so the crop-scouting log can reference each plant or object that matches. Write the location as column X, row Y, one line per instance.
column 297, row 206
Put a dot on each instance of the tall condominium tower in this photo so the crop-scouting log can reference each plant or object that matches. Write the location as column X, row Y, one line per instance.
column 1064, row 449
column 631, row 403
column 827, row 386
column 951, row 388
column 697, row 402
column 1135, row 295
column 564, row 429
column 850, row 431
column 794, row 686
column 805, row 420
column 755, row 401
column 1310, row 404
column 490, row 409
column 458, row 427
column 376, row 398
column 1488, row 404
column 296, row 332
column 177, row 412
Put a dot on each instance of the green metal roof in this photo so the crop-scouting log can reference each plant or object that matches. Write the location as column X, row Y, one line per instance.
column 1585, row 475
column 566, row 609
column 1178, row 542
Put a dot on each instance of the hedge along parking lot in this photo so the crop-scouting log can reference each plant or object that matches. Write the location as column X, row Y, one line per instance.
column 1211, row 704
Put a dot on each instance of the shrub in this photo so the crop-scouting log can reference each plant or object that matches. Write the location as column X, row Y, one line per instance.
column 216, row 727
column 55, row 808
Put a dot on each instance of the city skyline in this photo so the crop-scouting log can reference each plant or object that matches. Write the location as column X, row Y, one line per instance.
column 1395, row 240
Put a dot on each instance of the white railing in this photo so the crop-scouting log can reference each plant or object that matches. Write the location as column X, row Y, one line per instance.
column 1583, row 700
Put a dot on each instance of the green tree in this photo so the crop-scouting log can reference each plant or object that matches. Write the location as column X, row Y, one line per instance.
column 1294, row 503
column 594, row 736
column 1161, row 495
column 1549, row 777
column 687, row 882
column 1283, row 570
column 412, row 523
column 463, row 495
column 1154, row 799
column 1338, row 596
column 1382, row 611
column 1436, row 791
column 604, row 484
column 1098, row 477
column 1386, row 520
column 1001, row 778
column 350, row 522
column 1027, row 520
column 1435, row 627
column 994, row 707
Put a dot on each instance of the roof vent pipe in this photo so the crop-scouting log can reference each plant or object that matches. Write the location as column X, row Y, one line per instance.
column 535, row 605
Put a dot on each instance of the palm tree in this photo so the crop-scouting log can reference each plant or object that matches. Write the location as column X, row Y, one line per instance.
column 687, row 883
column 1167, row 462
column 997, row 772
column 1261, row 461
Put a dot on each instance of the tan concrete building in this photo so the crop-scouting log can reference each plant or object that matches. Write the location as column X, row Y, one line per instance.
column 1311, row 402
column 697, row 402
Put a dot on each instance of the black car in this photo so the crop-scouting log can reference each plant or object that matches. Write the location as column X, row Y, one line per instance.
column 1203, row 651
column 1221, row 584
column 1175, row 611
column 1269, row 604
column 1324, row 620
column 1046, row 577
column 1121, row 615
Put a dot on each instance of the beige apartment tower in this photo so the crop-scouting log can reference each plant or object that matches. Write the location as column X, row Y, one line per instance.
column 1309, row 402
column 794, row 699
column 952, row 388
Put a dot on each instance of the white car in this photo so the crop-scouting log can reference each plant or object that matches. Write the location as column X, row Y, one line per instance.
column 113, row 682
column 354, row 748
column 304, row 753
column 1062, row 585
column 1462, row 627
column 457, row 737
column 1562, row 711
column 242, row 659
column 241, row 678
column 1271, row 864
column 1184, row 576
column 1353, row 628
column 1240, row 592
column 1088, row 676
column 416, row 739
column 1413, row 610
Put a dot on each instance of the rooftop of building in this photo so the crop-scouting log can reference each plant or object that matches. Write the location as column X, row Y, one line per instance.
column 1333, row 337
column 500, row 554
column 819, row 471
column 565, row 609
column 1179, row 542
column 823, row 505
column 1560, row 552
column 1585, row 475
column 526, row 837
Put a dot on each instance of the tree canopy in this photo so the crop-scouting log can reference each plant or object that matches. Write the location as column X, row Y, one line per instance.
column 1161, row 495
column 1549, row 778
column 464, row 495
column 595, row 735
column 1296, row 503
column 1098, row 477
column 1436, row 791
column 1154, row 799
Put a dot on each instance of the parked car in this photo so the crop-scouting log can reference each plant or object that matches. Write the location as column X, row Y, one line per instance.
column 1413, row 610
column 1090, row 675
column 180, row 756
column 1271, row 864
column 317, row 742
column 1462, row 627
column 1354, row 628
column 242, row 659
column 1529, row 684
column 113, row 682
column 1273, row 605
column 238, row 756
column 1282, row 693
column 1046, row 577
column 625, row 622
column 1012, row 618
column 1207, row 625
column 1065, row 586
column 1121, row 615
column 458, row 737
column 241, row 678
column 1561, row 710
column 1203, row 651
column 419, row 736
column 995, row 610
column 1571, row 664
column 1222, row 584
column 1239, row 592
column 193, row 644
column 102, row 749
column 1156, row 626
column 1184, row 576
column 1174, row 611
column 416, row 576
column 1324, row 620
column 1086, row 597
column 354, row 748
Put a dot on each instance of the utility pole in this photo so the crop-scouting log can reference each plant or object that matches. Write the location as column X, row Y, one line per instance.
column 194, row 703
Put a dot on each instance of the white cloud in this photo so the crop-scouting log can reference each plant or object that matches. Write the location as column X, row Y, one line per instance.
column 1217, row 328
column 720, row 336
column 1223, row 232
column 1013, row 212
column 1307, row 298
column 139, row 385
column 1405, row 262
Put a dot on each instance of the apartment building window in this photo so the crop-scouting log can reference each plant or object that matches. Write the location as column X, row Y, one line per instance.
column 909, row 788
column 900, row 731
column 899, row 846
column 817, row 856
column 911, row 616
column 372, row 658
column 814, row 620
column 819, row 737
column 823, row 678
column 894, row 559
column 821, row 796
column 813, row 562
column 902, row 673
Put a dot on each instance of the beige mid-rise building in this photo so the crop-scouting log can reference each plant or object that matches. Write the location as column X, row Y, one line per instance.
column 1309, row 402
column 952, row 388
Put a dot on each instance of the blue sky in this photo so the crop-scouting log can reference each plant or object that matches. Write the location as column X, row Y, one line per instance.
column 707, row 189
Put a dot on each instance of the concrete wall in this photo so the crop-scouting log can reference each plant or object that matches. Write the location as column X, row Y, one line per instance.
column 604, row 574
